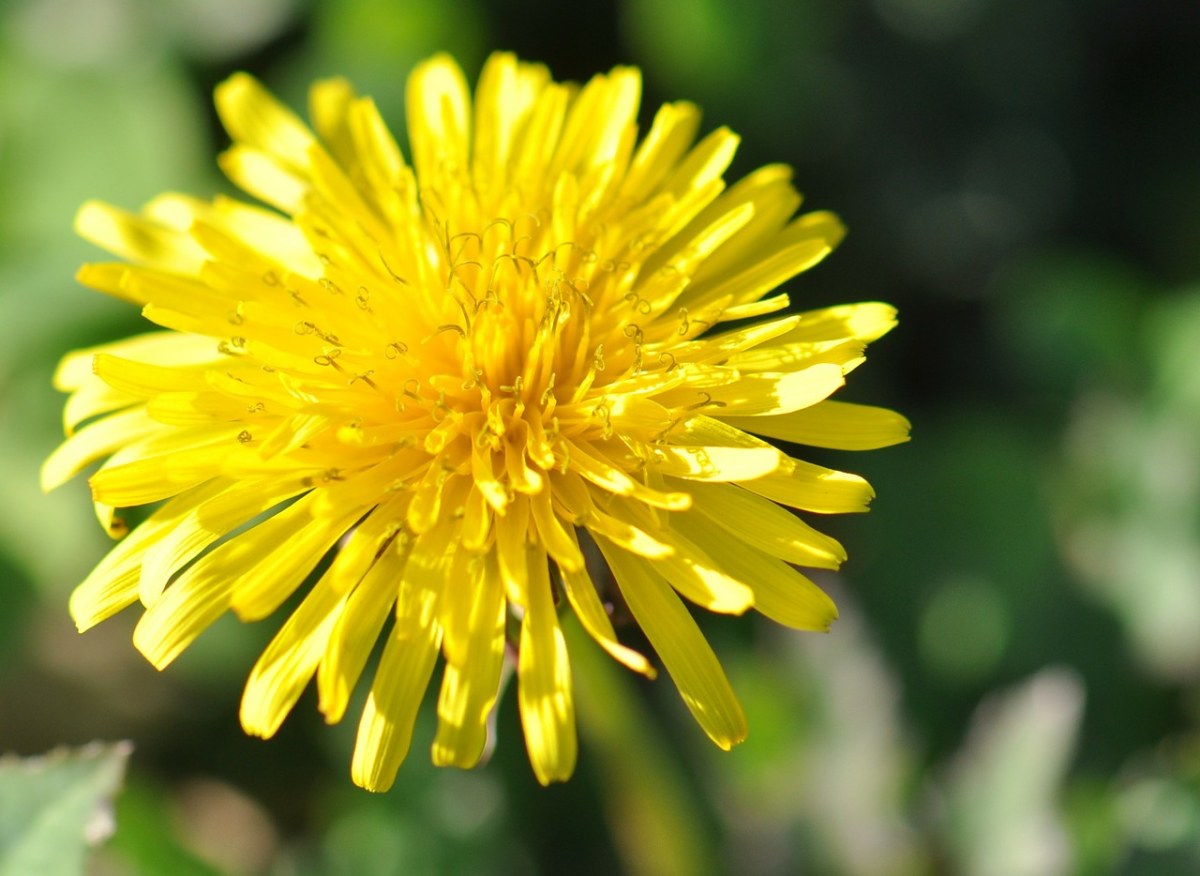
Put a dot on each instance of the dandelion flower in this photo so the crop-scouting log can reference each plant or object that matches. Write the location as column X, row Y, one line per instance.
column 424, row 393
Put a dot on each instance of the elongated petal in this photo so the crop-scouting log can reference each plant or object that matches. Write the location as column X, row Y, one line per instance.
column 113, row 584
column 149, row 470
column 757, row 395
column 254, row 117
column 274, row 578
column 681, row 645
column 839, row 425
column 865, row 322
column 806, row 242
column 438, row 123
column 205, row 590
column 693, row 573
column 288, row 663
column 555, row 536
column 93, row 442
column 716, row 463
column 356, row 630
column 141, row 241
column 628, row 536
column 780, row 592
column 385, row 730
column 544, row 682
column 813, row 488
column 471, row 680
column 581, row 592
column 766, row 526
column 203, row 525
column 846, row 355
column 257, row 173
column 671, row 133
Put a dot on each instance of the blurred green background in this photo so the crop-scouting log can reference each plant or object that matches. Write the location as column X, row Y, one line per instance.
column 1013, row 688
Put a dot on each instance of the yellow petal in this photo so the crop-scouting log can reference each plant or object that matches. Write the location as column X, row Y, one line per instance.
column 286, row 666
column 375, row 147
column 714, row 463
column 190, row 605
column 691, row 246
column 252, row 116
column 477, row 520
column 385, row 730
column 196, row 408
column 141, row 241
column 537, row 139
column 630, row 538
column 94, row 441
column 145, row 380
column 258, row 174
column 160, row 348
column 113, row 584
column 161, row 465
column 704, row 164
column 340, row 195
column 107, row 278
column 769, row 192
column 267, row 232
column 329, row 102
column 719, row 348
column 682, row 647
column 544, row 693
column 813, row 488
column 847, row 355
column 766, row 394
column 707, row 431
column 505, row 94
column 762, row 307
column 692, row 572
column 865, row 322
column 265, row 584
column 92, row 399
column 203, row 525
column 553, row 534
column 581, row 593
column 356, row 630
column 432, row 563
column 202, row 593
column 438, row 117
column 764, row 525
column 780, row 592
column 597, row 120
column 671, row 133
column 471, row 684
column 593, row 465
column 115, row 526
column 512, row 536
column 839, row 425
column 797, row 248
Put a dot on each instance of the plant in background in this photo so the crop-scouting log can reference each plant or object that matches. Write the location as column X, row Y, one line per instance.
column 450, row 380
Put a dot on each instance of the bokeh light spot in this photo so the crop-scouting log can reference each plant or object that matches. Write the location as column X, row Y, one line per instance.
column 964, row 630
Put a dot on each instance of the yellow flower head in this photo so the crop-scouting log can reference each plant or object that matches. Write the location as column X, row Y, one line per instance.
column 454, row 380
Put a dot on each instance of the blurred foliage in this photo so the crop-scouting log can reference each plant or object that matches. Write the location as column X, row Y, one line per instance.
column 1131, row 497
column 53, row 807
column 1013, row 687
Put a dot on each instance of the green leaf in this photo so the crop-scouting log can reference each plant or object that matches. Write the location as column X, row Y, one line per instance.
column 54, row 807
